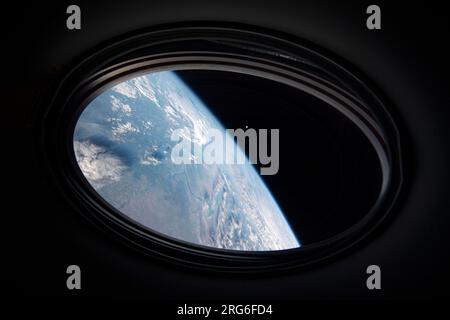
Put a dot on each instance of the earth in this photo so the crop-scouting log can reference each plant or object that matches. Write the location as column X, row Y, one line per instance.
column 122, row 143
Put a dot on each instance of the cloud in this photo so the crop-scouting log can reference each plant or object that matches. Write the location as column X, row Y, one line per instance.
column 137, row 87
column 119, row 106
column 126, row 89
column 123, row 128
column 98, row 165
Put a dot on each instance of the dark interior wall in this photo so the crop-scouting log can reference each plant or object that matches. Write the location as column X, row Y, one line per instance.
column 407, row 60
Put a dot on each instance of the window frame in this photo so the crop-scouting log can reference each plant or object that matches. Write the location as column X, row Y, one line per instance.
column 245, row 49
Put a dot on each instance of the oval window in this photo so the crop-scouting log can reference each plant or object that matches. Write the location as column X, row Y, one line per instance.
column 153, row 150
column 224, row 148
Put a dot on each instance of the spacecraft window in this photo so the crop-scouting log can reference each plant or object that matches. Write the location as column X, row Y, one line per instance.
column 162, row 157
column 224, row 148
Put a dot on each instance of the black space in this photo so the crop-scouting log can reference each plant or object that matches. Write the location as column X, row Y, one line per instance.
column 328, row 177
column 407, row 60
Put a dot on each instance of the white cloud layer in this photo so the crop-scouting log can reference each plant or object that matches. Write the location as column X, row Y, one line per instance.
column 119, row 106
column 98, row 165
